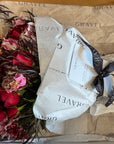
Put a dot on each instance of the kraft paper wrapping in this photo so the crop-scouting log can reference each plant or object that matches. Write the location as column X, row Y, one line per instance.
column 97, row 26
column 72, row 2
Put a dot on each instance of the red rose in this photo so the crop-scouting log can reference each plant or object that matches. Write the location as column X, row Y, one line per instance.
column 12, row 111
column 12, row 99
column 24, row 58
column 9, row 99
column 16, row 31
column 3, row 94
column 2, row 115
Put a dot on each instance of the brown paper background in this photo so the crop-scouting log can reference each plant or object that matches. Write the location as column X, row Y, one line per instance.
column 97, row 26
column 71, row 2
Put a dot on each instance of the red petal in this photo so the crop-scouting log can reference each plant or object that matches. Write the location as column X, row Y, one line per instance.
column 12, row 99
column 3, row 94
column 11, row 111
column 2, row 116
column 14, row 33
column 18, row 22
column 27, row 60
column 1, row 109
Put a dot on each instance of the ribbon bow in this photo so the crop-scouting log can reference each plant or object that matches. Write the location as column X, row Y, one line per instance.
column 98, row 66
column 111, row 98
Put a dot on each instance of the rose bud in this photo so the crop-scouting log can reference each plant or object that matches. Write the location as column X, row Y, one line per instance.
column 9, row 99
column 24, row 59
column 12, row 111
column 14, row 33
column 12, row 99
column 2, row 115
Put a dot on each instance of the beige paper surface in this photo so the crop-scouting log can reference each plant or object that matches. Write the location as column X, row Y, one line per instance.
column 97, row 26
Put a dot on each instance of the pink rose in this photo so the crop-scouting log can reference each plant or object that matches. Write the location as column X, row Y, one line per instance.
column 19, row 22
column 20, row 80
column 15, row 83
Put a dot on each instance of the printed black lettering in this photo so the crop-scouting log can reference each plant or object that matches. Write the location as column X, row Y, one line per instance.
column 87, row 25
column 79, row 104
column 68, row 102
column 59, row 97
column 31, row 4
column 41, row 28
column 47, row 28
column 70, row 31
column 103, row 7
column 71, row 102
column 57, row 29
column 63, row 99
column 74, row 35
column 54, row 118
column 49, row 118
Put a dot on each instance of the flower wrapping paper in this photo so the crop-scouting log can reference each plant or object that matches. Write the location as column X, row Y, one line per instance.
column 92, row 23
column 66, row 89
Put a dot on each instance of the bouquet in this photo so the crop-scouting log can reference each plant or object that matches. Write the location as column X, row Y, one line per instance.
column 19, row 77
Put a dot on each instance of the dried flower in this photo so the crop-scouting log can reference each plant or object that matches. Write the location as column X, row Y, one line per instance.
column 15, row 131
column 18, row 27
column 19, row 22
column 9, row 99
column 9, row 128
column 10, row 44
column 15, row 83
column 3, row 131
column 20, row 81
column 30, row 31
column 18, row 61
column 14, row 33
column 24, row 59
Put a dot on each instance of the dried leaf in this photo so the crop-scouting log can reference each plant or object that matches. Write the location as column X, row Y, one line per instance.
column 9, row 20
column 2, row 6
column 31, row 15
